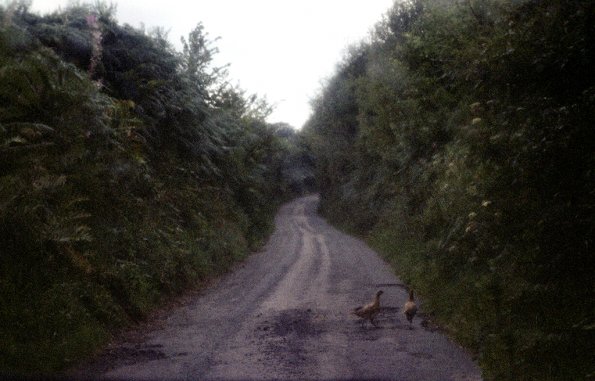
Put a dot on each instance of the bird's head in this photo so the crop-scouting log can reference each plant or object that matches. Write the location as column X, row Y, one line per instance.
column 380, row 292
column 410, row 294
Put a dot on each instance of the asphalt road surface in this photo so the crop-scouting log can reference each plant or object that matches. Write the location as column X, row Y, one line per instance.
column 284, row 314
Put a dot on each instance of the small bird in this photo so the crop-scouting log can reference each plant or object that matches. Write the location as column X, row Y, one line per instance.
column 410, row 308
column 370, row 310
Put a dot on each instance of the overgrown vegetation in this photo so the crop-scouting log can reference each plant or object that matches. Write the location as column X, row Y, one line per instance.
column 128, row 172
column 460, row 142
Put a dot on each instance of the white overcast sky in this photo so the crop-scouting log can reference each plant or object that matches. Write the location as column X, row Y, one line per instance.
column 280, row 49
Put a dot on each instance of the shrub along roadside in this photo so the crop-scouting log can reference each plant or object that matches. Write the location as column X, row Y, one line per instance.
column 128, row 173
column 459, row 141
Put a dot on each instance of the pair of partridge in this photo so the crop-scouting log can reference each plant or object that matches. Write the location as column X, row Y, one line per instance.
column 370, row 310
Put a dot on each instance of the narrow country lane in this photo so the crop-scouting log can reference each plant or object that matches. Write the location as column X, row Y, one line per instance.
column 284, row 314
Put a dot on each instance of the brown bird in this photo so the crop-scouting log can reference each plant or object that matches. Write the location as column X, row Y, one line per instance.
column 410, row 308
column 370, row 310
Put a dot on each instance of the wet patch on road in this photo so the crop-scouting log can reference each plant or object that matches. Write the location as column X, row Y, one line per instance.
column 299, row 323
column 284, row 337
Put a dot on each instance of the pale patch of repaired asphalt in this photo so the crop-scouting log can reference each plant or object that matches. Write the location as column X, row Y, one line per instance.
column 284, row 314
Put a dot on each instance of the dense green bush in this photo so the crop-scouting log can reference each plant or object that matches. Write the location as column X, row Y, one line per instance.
column 128, row 173
column 460, row 141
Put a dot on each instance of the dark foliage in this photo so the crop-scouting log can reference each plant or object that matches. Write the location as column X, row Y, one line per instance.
column 463, row 149
column 126, row 175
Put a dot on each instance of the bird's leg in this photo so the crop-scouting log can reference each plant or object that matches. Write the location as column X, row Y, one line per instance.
column 374, row 324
